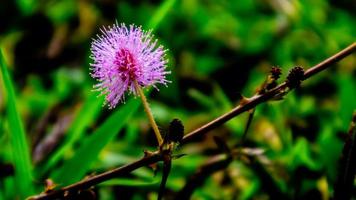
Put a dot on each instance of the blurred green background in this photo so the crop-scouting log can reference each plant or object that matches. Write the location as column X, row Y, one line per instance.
column 54, row 125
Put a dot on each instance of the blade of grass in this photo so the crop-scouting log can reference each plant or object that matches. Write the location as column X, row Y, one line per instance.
column 8, row 184
column 130, row 182
column 87, row 114
column 76, row 167
column 160, row 14
column 20, row 148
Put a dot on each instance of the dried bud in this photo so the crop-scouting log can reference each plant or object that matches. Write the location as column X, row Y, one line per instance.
column 276, row 72
column 295, row 77
column 176, row 131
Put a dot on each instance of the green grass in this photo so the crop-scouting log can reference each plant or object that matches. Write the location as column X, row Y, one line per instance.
column 20, row 150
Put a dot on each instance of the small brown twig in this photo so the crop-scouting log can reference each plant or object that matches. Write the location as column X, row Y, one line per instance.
column 157, row 156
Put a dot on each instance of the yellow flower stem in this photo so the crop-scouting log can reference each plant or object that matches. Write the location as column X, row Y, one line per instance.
column 149, row 114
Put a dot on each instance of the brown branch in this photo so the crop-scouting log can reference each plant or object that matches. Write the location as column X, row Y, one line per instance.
column 157, row 156
column 94, row 180
column 260, row 98
column 330, row 61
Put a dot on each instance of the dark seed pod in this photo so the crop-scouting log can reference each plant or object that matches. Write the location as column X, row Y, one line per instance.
column 176, row 131
column 276, row 72
column 295, row 77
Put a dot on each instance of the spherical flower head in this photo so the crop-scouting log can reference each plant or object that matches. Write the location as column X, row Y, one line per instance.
column 124, row 56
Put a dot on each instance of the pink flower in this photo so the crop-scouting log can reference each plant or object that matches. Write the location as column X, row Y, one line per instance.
column 125, row 55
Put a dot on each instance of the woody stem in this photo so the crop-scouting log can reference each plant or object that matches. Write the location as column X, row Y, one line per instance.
column 149, row 114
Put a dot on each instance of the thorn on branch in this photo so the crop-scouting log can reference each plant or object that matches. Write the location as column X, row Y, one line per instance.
column 243, row 100
column 153, row 166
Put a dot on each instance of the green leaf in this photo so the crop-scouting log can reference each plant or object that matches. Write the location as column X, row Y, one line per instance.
column 76, row 167
column 347, row 88
column 20, row 150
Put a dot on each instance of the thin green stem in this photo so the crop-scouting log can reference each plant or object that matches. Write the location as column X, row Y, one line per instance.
column 149, row 114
